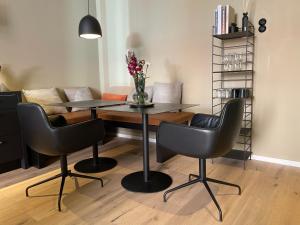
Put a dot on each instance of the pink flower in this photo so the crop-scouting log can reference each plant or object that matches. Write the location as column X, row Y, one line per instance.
column 136, row 67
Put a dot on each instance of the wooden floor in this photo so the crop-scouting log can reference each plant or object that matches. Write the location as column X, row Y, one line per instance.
column 270, row 194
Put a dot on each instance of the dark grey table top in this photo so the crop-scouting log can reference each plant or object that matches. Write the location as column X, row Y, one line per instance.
column 157, row 108
column 88, row 104
column 123, row 107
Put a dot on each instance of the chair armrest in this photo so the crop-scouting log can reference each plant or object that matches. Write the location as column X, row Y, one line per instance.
column 205, row 121
column 78, row 136
column 186, row 140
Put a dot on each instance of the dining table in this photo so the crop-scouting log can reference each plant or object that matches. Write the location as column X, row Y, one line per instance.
column 145, row 180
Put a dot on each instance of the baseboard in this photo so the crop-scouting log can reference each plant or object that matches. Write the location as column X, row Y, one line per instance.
column 129, row 136
column 254, row 157
column 276, row 161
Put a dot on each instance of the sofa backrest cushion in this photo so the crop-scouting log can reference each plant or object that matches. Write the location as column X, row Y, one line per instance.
column 167, row 92
column 44, row 97
column 78, row 94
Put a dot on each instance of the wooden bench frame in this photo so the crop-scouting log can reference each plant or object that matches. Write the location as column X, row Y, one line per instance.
column 129, row 120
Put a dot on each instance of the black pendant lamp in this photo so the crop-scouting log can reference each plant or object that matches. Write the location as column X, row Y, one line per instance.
column 89, row 27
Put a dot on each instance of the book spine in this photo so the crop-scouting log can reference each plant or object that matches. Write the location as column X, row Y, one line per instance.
column 219, row 9
column 216, row 22
column 227, row 19
column 223, row 19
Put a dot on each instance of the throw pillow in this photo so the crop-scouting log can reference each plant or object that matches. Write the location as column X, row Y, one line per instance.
column 3, row 87
column 167, row 92
column 78, row 94
column 44, row 97
column 113, row 97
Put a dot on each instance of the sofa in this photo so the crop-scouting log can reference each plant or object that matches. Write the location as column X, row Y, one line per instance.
column 159, row 92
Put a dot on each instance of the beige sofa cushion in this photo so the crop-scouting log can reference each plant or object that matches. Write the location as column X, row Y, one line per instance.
column 3, row 87
column 167, row 92
column 44, row 97
column 78, row 94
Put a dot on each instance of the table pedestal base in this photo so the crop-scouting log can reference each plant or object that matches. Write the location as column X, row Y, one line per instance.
column 88, row 165
column 157, row 181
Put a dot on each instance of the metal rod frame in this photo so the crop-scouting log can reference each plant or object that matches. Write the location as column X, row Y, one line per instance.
column 246, row 75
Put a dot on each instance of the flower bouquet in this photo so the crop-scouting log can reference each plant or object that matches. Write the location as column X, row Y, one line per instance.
column 138, row 70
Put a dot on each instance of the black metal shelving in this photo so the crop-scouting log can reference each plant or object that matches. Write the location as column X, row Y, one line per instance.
column 241, row 44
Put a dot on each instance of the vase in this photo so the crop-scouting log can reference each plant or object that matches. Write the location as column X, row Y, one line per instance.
column 140, row 96
column 245, row 22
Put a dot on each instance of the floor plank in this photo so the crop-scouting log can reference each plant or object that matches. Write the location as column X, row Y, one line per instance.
column 270, row 194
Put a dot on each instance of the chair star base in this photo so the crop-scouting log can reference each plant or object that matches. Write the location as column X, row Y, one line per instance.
column 64, row 173
column 201, row 178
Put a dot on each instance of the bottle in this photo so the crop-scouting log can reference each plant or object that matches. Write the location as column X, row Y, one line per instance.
column 245, row 22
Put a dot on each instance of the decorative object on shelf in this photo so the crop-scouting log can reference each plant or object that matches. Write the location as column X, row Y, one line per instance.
column 233, row 93
column 245, row 21
column 233, row 62
column 262, row 25
column 233, row 28
column 89, row 26
column 138, row 70
column 224, row 93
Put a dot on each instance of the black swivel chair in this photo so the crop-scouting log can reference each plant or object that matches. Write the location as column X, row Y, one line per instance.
column 207, row 137
column 54, row 139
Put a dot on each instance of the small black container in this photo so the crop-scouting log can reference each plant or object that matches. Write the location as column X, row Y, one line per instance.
column 244, row 93
column 235, row 93
column 240, row 93
column 233, row 28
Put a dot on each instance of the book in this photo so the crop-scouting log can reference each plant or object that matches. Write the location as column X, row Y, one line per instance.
column 229, row 18
column 223, row 20
column 216, row 22
column 219, row 22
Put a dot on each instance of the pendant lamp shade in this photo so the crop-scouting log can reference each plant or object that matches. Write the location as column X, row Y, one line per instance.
column 89, row 28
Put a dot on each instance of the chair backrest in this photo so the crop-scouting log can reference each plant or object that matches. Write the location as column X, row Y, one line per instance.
column 229, row 126
column 36, row 129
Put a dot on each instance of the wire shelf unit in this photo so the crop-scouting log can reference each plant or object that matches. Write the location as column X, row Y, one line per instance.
column 240, row 43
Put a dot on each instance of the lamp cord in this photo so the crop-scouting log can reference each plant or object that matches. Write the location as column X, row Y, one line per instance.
column 88, row 7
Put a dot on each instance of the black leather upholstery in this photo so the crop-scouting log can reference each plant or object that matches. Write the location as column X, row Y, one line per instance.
column 42, row 136
column 53, row 137
column 207, row 137
column 57, row 120
column 205, row 121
